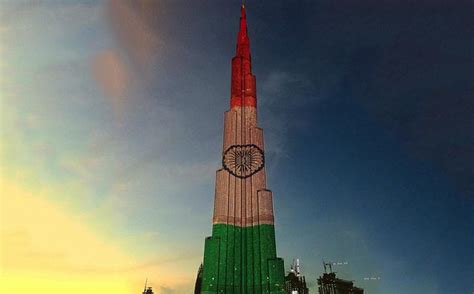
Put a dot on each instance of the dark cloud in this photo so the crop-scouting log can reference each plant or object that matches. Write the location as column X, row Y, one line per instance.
column 409, row 64
column 413, row 71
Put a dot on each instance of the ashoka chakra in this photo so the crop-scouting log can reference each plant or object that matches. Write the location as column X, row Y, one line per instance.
column 243, row 160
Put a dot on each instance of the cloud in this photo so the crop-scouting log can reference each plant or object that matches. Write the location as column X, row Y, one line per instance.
column 131, row 22
column 283, row 93
column 166, row 290
column 113, row 77
column 288, row 89
column 126, row 67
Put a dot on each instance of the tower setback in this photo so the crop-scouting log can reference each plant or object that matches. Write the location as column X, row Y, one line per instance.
column 240, row 256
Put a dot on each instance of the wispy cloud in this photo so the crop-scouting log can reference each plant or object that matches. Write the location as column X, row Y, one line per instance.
column 132, row 25
column 112, row 75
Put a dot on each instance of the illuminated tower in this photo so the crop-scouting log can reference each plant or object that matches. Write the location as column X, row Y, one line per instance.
column 240, row 256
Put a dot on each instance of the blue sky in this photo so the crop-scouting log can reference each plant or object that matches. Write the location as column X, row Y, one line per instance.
column 111, row 116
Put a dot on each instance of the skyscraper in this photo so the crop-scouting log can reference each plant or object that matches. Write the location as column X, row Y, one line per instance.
column 240, row 256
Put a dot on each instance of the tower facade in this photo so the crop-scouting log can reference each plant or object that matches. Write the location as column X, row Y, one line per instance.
column 240, row 256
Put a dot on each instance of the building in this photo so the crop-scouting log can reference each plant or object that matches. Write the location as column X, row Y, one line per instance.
column 198, row 285
column 295, row 283
column 329, row 284
column 240, row 256
column 147, row 290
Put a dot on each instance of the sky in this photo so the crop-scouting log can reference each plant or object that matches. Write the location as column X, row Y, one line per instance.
column 111, row 117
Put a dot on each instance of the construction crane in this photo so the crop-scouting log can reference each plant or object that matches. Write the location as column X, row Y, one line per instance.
column 147, row 290
column 328, row 265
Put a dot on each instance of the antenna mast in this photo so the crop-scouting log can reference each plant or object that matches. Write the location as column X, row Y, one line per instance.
column 326, row 266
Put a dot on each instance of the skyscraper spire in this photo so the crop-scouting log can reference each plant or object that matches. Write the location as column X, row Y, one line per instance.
column 240, row 256
column 243, row 42
column 243, row 89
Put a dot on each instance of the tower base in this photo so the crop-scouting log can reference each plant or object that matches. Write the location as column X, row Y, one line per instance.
column 242, row 260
